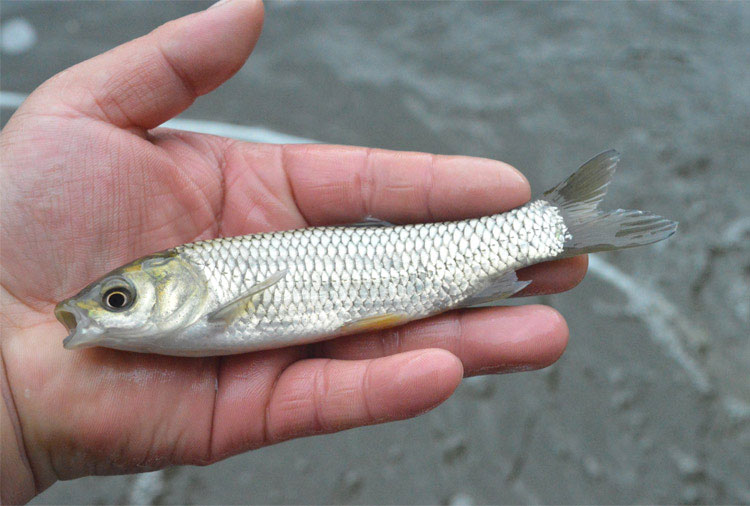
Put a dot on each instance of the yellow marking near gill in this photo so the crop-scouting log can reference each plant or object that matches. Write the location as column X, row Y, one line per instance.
column 135, row 267
column 161, row 271
column 377, row 322
column 88, row 305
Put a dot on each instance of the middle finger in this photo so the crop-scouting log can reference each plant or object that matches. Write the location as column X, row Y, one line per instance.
column 486, row 340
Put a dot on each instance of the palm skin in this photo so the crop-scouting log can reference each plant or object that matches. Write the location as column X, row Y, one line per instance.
column 88, row 185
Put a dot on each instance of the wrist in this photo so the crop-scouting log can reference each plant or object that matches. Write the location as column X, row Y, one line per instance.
column 17, row 485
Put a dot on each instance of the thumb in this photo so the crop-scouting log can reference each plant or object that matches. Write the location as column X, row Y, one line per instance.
column 147, row 81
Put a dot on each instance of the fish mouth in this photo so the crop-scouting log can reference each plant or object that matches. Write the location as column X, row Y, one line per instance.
column 74, row 320
column 66, row 318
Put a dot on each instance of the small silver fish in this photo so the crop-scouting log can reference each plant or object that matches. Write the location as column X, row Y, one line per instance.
column 260, row 291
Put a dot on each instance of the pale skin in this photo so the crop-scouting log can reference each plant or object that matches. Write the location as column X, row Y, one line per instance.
column 89, row 184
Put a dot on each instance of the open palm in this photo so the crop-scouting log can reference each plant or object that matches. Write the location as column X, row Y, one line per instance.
column 89, row 185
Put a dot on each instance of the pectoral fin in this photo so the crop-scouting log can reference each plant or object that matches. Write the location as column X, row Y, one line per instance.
column 501, row 288
column 376, row 322
column 235, row 308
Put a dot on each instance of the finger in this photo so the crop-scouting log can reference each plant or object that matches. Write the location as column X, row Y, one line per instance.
column 488, row 340
column 338, row 184
column 553, row 277
column 148, row 80
column 318, row 396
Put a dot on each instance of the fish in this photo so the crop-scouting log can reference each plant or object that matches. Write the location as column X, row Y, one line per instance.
column 270, row 290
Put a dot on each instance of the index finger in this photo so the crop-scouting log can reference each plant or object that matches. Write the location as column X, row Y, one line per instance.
column 342, row 184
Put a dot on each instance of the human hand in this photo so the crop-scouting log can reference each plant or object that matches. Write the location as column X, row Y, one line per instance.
column 89, row 185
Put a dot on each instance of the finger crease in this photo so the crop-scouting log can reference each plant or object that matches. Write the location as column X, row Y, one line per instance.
column 320, row 386
column 284, row 164
column 223, row 189
column 217, row 378
column 365, row 183
column 429, row 187
column 365, row 388
column 458, row 332
column 267, row 440
column 187, row 84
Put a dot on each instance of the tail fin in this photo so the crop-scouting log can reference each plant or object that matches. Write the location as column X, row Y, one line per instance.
column 592, row 230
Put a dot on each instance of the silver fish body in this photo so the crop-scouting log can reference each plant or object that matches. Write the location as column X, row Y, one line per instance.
column 278, row 289
column 337, row 279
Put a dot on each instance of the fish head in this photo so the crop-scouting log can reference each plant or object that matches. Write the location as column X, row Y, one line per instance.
column 135, row 306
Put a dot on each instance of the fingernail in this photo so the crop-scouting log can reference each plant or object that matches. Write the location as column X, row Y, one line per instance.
column 220, row 2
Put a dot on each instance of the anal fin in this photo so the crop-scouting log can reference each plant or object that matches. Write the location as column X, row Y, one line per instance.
column 376, row 322
column 239, row 306
column 499, row 289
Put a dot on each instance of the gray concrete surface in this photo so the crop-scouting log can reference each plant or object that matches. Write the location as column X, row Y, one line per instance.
column 651, row 402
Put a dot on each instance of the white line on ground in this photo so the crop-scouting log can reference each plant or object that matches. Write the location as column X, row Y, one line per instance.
column 12, row 100
column 146, row 487
column 669, row 328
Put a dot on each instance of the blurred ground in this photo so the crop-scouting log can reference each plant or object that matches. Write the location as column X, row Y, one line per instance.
column 651, row 402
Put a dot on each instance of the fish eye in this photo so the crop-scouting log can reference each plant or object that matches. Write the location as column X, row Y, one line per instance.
column 118, row 298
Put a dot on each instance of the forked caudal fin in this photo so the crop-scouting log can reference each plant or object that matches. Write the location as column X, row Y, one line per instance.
column 590, row 229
